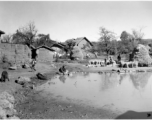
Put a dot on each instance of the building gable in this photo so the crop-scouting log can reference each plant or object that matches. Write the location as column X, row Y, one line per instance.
column 82, row 40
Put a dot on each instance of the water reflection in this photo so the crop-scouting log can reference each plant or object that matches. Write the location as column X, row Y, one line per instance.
column 122, row 77
column 62, row 78
column 140, row 80
column 109, row 80
column 121, row 90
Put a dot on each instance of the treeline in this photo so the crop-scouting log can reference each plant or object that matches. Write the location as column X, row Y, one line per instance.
column 108, row 42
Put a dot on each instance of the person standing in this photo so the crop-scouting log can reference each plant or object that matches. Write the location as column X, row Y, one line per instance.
column 119, row 58
column 34, row 57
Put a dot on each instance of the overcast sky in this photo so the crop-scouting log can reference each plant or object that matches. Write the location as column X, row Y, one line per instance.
column 68, row 19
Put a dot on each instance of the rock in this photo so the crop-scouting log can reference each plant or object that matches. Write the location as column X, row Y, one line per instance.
column 13, row 67
column 2, row 113
column 7, row 96
column 24, row 79
column 6, row 104
column 25, row 66
column 26, row 85
column 41, row 77
column 10, row 112
column 14, row 117
column 70, row 74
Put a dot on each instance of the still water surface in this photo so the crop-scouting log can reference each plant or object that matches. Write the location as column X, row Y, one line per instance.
column 124, row 91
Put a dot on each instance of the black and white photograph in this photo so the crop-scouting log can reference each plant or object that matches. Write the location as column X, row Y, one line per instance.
column 76, row 59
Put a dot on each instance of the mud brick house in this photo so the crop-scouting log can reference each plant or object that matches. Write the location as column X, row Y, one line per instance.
column 46, row 52
column 82, row 45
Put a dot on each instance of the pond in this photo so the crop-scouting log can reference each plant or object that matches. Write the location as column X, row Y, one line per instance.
column 130, row 91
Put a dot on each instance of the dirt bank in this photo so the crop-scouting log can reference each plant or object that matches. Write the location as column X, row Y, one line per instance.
column 36, row 106
column 31, row 104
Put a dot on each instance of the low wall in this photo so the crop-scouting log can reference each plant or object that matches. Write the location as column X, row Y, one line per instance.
column 45, row 55
column 15, row 52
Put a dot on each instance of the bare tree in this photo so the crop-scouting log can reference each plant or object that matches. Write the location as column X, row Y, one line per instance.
column 26, row 34
column 138, row 34
column 106, row 37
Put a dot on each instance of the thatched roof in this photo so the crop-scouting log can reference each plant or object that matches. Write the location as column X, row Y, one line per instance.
column 49, row 45
column 78, row 40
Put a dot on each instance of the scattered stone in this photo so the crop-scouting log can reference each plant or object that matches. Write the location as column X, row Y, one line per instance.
column 27, row 85
column 14, row 117
column 41, row 76
column 4, row 103
column 10, row 112
column 70, row 74
column 70, row 111
column 25, row 66
column 2, row 113
column 100, row 72
column 68, row 106
column 7, row 105
column 6, row 95
column 13, row 67
column 148, row 114
column 24, row 79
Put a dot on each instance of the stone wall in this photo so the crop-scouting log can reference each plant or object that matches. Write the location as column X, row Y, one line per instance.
column 15, row 52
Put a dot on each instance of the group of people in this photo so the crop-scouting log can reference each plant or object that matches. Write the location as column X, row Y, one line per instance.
column 110, row 60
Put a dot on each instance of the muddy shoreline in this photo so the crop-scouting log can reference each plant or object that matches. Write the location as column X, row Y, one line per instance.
column 36, row 106
column 32, row 104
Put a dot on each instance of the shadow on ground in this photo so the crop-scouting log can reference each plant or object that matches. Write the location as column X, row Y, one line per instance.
column 135, row 115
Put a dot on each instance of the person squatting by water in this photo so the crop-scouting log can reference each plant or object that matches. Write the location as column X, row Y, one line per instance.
column 4, row 76
column 62, row 70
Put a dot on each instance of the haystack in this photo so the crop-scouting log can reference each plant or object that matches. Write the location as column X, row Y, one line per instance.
column 142, row 55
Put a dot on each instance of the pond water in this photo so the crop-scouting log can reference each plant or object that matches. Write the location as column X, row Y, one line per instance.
column 124, row 91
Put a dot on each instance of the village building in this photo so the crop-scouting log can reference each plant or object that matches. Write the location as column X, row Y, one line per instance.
column 83, row 43
column 82, row 47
